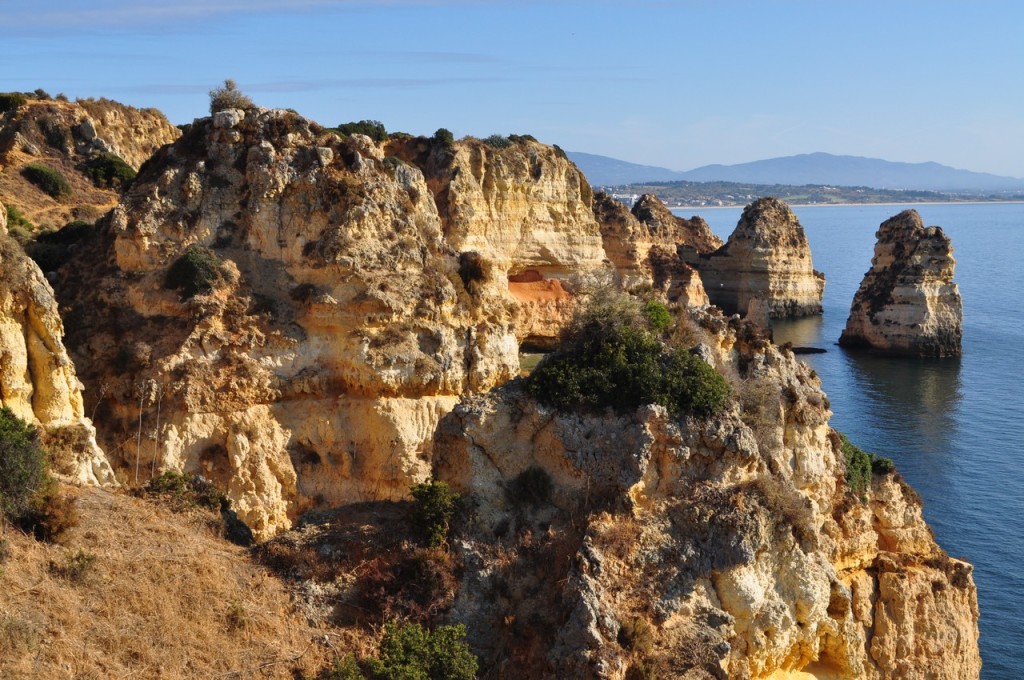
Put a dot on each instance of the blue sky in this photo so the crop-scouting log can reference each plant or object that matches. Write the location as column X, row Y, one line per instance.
column 675, row 84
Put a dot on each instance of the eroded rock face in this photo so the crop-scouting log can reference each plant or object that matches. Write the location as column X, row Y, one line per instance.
column 645, row 252
column 907, row 302
column 728, row 547
column 766, row 259
column 37, row 379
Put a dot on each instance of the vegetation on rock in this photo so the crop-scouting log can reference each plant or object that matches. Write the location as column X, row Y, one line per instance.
column 374, row 129
column 611, row 356
column 860, row 465
column 11, row 101
column 229, row 96
column 197, row 271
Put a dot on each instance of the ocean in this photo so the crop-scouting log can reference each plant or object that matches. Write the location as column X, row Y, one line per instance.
column 954, row 427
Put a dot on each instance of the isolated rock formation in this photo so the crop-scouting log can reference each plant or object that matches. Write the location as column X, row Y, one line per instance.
column 665, row 226
column 907, row 302
column 66, row 136
column 37, row 379
column 766, row 259
column 727, row 547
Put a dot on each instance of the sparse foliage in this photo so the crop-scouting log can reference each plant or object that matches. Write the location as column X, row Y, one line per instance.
column 497, row 141
column 11, row 101
column 23, row 470
column 228, row 96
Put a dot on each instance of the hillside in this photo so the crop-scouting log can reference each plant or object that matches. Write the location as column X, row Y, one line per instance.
column 136, row 590
column 814, row 169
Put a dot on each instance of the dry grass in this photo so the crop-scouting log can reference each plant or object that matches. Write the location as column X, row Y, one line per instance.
column 159, row 597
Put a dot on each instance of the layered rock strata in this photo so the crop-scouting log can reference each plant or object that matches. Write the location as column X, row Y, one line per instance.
column 37, row 379
column 766, row 260
column 727, row 547
column 907, row 302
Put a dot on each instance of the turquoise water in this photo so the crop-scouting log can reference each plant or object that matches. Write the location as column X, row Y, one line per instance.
column 954, row 427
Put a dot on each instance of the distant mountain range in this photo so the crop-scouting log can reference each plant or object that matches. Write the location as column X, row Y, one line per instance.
column 812, row 168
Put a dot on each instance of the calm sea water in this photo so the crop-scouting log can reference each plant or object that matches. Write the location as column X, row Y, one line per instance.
column 954, row 427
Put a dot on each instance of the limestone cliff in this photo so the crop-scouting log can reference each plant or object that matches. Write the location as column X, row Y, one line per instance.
column 908, row 302
column 67, row 136
column 644, row 251
column 766, row 261
column 37, row 379
column 339, row 327
column 727, row 547
column 522, row 215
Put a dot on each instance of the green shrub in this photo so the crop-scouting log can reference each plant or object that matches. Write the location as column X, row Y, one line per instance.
column 109, row 171
column 11, row 101
column 435, row 507
column 345, row 668
column 444, row 136
column 196, row 271
column 532, row 486
column 412, row 652
column 657, row 315
column 374, row 129
column 610, row 357
column 18, row 226
column 860, row 465
column 23, row 469
column 47, row 179
column 498, row 142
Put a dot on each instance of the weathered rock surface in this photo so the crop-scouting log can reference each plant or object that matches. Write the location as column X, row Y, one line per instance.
column 65, row 136
column 37, row 379
column 336, row 335
column 727, row 548
column 766, row 259
column 644, row 250
column 907, row 302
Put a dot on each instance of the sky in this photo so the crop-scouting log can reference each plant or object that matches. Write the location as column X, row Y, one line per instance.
column 674, row 84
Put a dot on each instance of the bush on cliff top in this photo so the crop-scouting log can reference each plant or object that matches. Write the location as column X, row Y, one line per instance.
column 228, row 96
column 611, row 356
column 374, row 129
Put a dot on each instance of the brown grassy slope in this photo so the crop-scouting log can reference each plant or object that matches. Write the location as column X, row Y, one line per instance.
column 134, row 133
column 164, row 598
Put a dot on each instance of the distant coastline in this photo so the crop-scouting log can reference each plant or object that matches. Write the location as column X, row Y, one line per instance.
column 841, row 205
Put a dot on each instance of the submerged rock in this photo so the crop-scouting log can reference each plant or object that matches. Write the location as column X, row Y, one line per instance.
column 907, row 303
column 767, row 258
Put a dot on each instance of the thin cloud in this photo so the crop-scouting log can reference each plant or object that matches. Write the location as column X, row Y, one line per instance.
column 119, row 13
column 312, row 85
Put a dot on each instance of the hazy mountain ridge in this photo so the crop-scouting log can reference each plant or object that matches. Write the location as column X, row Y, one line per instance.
column 814, row 168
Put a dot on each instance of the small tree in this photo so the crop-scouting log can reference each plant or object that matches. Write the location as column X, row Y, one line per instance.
column 412, row 652
column 228, row 97
column 434, row 510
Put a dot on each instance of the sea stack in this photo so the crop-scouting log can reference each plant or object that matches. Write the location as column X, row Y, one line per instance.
column 907, row 303
column 766, row 260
